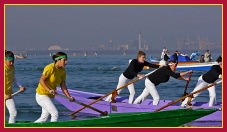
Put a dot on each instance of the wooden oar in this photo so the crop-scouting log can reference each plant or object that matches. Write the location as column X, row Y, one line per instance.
column 175, row 101
column 17, row 92
column 185, row 89
column 186, row 86
column 112, row 92
column 85, row 105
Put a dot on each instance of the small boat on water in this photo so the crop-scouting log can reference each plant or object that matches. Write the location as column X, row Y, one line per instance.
column 186, row 64
column 122, row 106
column 170, row 118
column 21, row 56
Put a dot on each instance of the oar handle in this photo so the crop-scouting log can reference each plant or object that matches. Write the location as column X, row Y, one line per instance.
column 175, row 101
column 17, row 92
column 80, row 103
column 187, row 83
column 112, row 92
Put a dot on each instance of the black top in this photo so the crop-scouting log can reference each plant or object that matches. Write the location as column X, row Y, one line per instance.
column 135, row 67
column 213, row 74
column 175, row 57
column 166, row 57
column 162, row 75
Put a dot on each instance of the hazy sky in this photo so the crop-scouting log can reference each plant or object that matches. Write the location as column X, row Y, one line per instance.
column 77, row 27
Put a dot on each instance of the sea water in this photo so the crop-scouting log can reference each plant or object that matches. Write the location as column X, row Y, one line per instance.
column 98, row 74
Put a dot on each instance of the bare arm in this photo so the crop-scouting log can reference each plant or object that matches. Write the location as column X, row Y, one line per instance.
column 22, row 88
column 65, row 91
column 182, row 75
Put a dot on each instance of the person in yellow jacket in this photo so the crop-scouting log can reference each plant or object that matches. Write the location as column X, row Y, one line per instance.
column 9, row 80
column 54, row 74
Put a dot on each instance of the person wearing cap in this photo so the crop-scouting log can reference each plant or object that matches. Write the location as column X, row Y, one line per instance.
column 204, row 80
column 9, row 80
column 54, row 74
column 161, row 75
column 135, row 66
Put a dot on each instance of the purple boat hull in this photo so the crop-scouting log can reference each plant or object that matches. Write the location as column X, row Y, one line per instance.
column 122, row 105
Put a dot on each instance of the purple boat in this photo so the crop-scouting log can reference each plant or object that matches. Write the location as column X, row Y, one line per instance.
column 121, row 106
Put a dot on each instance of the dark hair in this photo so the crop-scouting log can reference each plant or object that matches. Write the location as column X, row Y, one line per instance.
column 58, row 54
column 219, row 59
column 140, row 53
column 9, row 53
column 172, row 61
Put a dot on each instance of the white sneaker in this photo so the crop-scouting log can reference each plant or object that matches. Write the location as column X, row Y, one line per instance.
column 183, row 105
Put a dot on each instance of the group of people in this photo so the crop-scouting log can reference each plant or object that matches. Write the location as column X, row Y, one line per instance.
column 203, row 58
column 54, row 74
column 206, row 57
column 161, row 75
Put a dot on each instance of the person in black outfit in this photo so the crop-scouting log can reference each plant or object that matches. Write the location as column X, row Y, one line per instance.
column 135, row 66
column 204, row 80
column 166, row 57
column 161, row 75
column 175, row 56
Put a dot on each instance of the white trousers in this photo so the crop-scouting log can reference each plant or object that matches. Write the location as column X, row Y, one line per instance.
column 149, row 89
column 10, row 104
column 123, row 81
column 48, row 107
column 200, row 84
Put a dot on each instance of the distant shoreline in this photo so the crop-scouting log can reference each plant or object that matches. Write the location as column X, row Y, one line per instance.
column 109, row 52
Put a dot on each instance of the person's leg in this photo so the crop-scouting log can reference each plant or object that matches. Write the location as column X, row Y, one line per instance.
column 142, row 96
column 200, row 84
column 10, row 104
column 122, row 81
column 212, row 95
column 153, row 91
column 131, row 90
column 48, row 107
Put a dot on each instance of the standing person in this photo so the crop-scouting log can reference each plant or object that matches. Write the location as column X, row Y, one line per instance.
column 161, row 75
column 135, row 66
column 207, row 56
column 9, row 79
column 204, row 80
column 54, row 74
column 165, row 59
column 175, row 57
column 163, row 52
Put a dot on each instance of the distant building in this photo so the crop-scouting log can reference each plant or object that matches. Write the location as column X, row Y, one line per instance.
column 55, row 47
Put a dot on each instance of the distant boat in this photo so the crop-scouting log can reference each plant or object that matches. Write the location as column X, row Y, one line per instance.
column 95, row 53
column 21, row 56
column 185, row 64
column 50, row 54
column 74, row 54
column 85, row 53
column 124, row 53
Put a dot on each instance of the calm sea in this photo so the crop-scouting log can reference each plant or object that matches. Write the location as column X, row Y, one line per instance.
column 97, row 74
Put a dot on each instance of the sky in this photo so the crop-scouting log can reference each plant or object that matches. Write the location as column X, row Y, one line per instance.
column 78, row 27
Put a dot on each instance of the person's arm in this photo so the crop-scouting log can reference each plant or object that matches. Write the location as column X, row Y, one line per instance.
column 151, row 65
column 186, row 72
column 22, row 88
column 65, row 91
column 43, row 83
column 182, row 75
